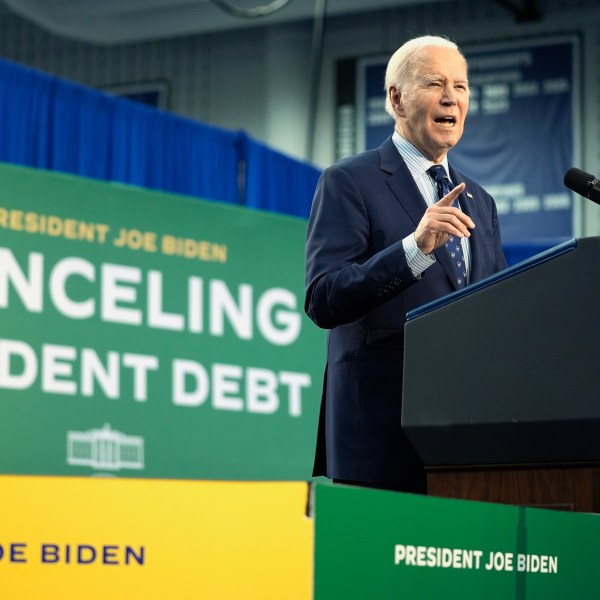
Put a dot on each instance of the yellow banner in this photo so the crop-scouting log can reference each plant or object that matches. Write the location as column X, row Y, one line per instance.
column 126, row 538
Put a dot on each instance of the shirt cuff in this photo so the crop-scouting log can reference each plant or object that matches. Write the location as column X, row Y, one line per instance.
column 417, row 261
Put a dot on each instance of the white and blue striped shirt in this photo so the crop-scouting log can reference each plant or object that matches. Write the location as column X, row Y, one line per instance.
column 418, row 165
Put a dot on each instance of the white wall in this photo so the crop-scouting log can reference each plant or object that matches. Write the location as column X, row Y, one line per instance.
column 258, row 79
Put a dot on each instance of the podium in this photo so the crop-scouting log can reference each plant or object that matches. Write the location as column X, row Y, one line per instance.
column 513, row 416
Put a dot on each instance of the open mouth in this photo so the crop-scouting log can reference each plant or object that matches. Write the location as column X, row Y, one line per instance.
column 446, row 121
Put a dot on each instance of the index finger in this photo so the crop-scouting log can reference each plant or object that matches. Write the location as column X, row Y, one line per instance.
column 449, row 198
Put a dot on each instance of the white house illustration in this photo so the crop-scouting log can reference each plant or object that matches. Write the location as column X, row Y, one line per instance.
column 105, row 449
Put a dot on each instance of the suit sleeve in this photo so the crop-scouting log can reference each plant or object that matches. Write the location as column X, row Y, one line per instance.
column 345, row 277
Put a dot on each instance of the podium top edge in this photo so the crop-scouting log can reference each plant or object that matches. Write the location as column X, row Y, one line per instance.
column 540, row 258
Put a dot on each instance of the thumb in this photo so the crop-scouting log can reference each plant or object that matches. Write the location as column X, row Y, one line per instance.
column 451, row 196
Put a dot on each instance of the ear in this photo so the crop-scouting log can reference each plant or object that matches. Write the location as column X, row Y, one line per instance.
column 395, row 97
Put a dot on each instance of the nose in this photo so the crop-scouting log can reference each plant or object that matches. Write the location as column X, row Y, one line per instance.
column 449, row 96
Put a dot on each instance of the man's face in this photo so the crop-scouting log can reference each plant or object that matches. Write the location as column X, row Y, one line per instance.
column 431, row 110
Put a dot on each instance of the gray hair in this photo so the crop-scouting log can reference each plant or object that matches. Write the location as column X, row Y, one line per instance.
column 401, row 65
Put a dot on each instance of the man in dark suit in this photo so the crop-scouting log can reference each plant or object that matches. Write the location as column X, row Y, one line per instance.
column 377, row 247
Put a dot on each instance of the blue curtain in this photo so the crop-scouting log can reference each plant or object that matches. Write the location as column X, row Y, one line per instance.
column 276, row 182
column 49, row 123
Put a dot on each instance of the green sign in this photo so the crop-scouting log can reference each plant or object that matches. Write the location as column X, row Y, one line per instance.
column 377, row 544
column 148, row 335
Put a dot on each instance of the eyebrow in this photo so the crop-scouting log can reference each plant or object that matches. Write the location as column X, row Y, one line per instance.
column 428, row 78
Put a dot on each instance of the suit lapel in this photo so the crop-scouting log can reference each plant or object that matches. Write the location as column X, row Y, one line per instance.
column 401, row 181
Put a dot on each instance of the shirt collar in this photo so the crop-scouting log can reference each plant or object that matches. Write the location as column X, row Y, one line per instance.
column 417, row 163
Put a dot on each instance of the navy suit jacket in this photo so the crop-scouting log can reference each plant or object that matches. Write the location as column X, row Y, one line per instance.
column 360, row 287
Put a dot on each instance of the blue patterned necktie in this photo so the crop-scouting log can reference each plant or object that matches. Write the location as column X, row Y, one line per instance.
column 454, row 246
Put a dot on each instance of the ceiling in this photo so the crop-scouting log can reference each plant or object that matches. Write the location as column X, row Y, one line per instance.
column 120, row 21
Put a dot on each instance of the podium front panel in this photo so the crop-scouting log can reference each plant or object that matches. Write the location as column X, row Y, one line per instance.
column 522, row 386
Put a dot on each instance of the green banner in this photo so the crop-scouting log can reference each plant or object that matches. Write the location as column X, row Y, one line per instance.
column 144, row 334
column 376, row 544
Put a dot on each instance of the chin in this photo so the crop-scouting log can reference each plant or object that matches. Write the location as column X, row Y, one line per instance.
column 448, row 145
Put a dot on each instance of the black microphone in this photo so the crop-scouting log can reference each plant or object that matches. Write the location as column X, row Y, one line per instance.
column 583, row 183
